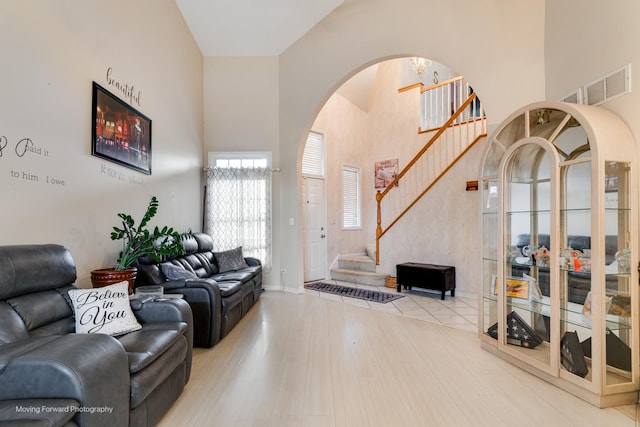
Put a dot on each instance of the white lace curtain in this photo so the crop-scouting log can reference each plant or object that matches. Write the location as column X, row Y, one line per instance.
column 238, row 211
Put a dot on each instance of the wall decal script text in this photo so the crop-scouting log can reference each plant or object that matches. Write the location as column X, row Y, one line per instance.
column 128, row 91
column 22, row 149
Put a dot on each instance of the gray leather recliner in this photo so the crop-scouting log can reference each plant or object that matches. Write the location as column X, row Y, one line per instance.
column 49, row 375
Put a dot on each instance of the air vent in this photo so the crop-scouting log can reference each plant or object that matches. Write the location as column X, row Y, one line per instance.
column 616, row 83
column 595, row 92
column 609, row 87
column 574, row 98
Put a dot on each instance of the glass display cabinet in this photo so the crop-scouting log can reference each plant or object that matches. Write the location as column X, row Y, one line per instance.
column 559, row 291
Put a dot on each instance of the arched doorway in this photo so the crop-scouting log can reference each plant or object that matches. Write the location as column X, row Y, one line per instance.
column 370, row 119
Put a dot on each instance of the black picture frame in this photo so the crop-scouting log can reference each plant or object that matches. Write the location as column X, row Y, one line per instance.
column 119, row 132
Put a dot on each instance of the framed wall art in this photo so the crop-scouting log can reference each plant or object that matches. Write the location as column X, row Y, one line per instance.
column 120, row 133
column 385, row 172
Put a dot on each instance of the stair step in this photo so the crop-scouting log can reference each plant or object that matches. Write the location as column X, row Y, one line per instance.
column 359, row 277
column 357, row 262
column 371, row 251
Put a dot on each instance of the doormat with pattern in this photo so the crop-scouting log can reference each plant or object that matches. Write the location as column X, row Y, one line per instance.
column 346, row 291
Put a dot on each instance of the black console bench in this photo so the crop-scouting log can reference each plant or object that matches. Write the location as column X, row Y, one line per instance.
column 428, row 276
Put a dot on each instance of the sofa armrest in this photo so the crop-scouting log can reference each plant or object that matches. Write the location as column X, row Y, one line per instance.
column 205, row 300
column 252, row 261
column 89, row 368
column 158, row 309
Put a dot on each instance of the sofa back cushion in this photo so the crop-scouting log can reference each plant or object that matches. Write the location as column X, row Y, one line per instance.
column 37, row 314
column 34, row 281
column 25, row 269
column 175, row 272
column 205, row 242
column 198, row 259
column 12, row 328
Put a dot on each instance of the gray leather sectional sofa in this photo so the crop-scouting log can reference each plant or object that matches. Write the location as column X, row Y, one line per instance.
column 221, row 287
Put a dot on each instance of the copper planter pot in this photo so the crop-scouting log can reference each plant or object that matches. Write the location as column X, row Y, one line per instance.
column 109, row 276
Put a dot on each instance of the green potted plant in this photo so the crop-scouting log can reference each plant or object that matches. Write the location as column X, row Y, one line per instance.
column 138, row 241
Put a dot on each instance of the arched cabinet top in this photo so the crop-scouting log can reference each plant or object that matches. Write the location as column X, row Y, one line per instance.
column 575, row 130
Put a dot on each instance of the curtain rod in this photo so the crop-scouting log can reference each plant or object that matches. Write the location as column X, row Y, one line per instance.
column 271, row 170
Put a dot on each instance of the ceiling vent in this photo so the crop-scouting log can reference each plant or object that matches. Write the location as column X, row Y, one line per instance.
column 575, row 97
column 609, row 87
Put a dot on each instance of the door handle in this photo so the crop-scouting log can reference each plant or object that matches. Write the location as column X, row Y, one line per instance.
column 322, row 236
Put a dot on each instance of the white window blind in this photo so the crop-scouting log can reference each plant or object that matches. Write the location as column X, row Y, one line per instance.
column 350, row 197
column 313, row 156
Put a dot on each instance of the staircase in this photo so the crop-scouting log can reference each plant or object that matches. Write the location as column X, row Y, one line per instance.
column 452, row 134
column 359, row 269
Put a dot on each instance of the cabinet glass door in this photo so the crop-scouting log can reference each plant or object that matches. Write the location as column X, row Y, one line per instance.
column 490, row 237
column 489, row 252
column 618, row 333
column 528, row 236
column 575, row 269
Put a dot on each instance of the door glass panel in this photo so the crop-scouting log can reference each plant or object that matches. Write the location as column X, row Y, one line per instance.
column 618, row 333
column 575, row 271
column 490, row 251
column 527, row 229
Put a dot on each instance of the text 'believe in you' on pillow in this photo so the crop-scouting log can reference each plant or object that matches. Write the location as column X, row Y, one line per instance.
column 104, row 310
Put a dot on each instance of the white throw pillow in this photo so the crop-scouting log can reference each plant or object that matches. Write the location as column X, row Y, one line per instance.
column 104, row 310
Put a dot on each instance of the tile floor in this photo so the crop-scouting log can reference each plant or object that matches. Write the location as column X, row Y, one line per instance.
column 460, row 312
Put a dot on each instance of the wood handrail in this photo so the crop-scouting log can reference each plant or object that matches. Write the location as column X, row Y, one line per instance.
column 413, row 86
column 466, row 122
column 380, row 195
column 436, row 179
column 424, row 88
column 440, row 84
column 428, row 144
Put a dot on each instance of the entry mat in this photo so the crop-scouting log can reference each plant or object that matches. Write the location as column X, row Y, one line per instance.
column 346, row 291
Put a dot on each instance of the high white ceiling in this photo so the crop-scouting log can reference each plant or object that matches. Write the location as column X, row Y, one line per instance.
column 251, row 27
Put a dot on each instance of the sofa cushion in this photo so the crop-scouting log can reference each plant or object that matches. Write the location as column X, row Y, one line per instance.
column 144, row 346
column 229, row 287
column 230, row 260
column 241, row 275
column 104, row 310
column 167, row 375
column 174, row 272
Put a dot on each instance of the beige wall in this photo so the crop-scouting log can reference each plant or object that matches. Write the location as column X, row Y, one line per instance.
column 241, row 114
column 60, row 193
column 361, row 32
column 345, row 128
column 586, row 40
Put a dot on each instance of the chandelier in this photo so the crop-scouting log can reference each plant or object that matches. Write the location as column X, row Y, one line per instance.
column 419, row 65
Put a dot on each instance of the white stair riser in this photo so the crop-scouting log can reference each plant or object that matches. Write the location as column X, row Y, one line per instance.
column 358, row 277
column 357, row 264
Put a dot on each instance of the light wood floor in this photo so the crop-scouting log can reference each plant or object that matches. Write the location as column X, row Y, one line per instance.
column 300, row 360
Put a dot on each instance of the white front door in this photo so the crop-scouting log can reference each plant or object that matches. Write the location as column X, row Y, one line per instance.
column 315, row 229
